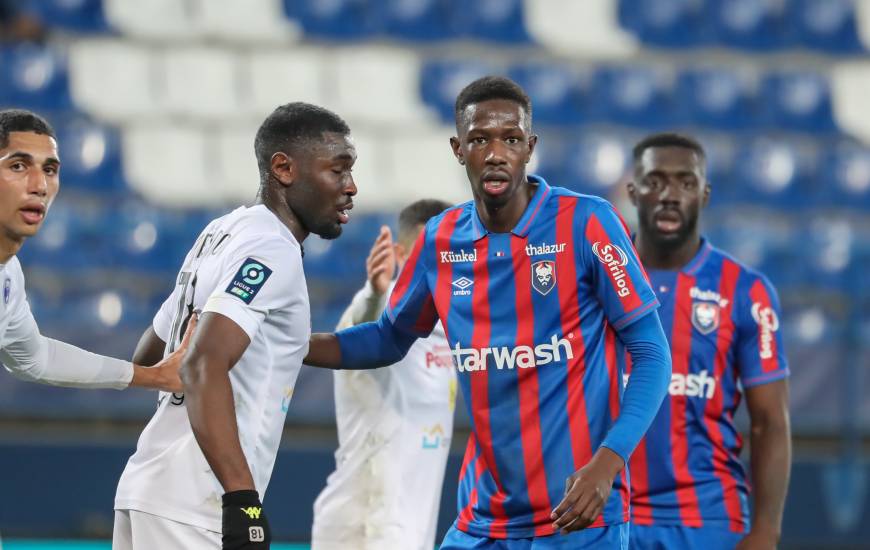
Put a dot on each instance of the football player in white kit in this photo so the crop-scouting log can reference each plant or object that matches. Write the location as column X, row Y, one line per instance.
column 29, row 181
column 204, row 460
column 394, row 424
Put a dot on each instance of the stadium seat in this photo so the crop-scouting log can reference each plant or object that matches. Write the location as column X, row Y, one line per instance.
column 167, row 164
column 441, row 81
column 500, row 21
column 278, row 76
column 140, row 238
column 844, row 176
column 666, row 23
column 91, row 155
column 718, row 97
column 417, row 20
column 83, row 16
column 587, row 28
column 825, row 25
column 828, row 249
column 34, row 77
column 797, row 100
column 155, row 19
column 558, row 92
column 253, row 21
column 423, row 166
column 113, row 79
column 749, row 24
column 202, row 82
column 342, row 20
column 634, row 95
column 849, row 85
column 237, row 175
column 595, row 162
column 773, row 171
column 721, row 149
column 389, row 93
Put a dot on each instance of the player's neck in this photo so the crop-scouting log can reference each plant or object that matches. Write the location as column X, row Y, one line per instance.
column 667, row 258
column 9, row 247
column 283, row 212
column 503, row 219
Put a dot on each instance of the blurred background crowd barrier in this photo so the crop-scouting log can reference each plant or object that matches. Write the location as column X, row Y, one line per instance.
column 156, row 103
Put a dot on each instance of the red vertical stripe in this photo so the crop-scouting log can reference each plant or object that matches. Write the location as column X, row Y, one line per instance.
column 768, row 324
column 529, row 394
column 715, row 406
column 407, row 274
column 566, row 273
column 445, row 269
column 466, row 515
column 480, row 339
column 681, row 348
column 615, row 382
column 596, row 234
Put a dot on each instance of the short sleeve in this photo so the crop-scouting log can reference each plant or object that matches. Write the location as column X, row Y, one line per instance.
column 411, row 307
column 260, row 275
column 162, row 322
column 618, row 279
column 760, row 352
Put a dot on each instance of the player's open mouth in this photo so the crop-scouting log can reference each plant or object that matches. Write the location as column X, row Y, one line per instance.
column 33, row 213
column 495, row 183
column 668, row 221
column 344, row 213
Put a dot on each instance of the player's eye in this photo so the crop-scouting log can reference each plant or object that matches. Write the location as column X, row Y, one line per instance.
column 18, row 166
column 689, row 183
column 50, row 170
column 478, row 140
column 512, row 140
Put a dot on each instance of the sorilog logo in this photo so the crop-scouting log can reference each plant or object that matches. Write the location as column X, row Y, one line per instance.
column 615, row 259
column 524, row 357
column 767, row 319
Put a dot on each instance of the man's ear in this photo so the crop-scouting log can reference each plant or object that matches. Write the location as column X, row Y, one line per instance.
column 283, row 168
column 401, row 253
column 705, row 200
column 533, row 141
column 457, row 150
column 632, row 192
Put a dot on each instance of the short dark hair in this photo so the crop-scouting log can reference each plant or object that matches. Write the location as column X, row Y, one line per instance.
column 418, row 213
column 290, row 127
column 488, row 88
column 20, row 120
column 668, row 139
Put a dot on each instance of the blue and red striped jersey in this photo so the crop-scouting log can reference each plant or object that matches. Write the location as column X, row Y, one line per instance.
column 530, row 316
column 722, row 322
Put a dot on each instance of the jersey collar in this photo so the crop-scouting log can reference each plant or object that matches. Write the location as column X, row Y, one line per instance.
column 521, row 229
column 696, row 263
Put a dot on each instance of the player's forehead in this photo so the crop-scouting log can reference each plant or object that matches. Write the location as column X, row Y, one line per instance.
column 494, row 114
column 670, row 160
column 333, row 147
column 40, row 147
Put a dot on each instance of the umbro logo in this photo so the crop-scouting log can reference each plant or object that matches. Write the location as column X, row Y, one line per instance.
column 462, row 284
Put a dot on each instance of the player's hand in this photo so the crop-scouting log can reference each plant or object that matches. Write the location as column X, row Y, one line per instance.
column 381, row 263
column 757, row 540
column 586, row 492
column 244, row 524
column 165, row 374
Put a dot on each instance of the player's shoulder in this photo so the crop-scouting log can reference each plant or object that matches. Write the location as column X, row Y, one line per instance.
column 586, row 204
column 747, row 276
column 454, row 214
column 13, row 269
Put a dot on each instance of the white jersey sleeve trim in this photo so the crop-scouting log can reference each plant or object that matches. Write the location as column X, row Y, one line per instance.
column 237, row 311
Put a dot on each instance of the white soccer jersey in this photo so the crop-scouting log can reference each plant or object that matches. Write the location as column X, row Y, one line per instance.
column 394, row 430
column 247, row 266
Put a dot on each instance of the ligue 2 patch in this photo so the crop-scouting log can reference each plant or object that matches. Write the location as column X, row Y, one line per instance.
column 249, row 280
column 544, row 276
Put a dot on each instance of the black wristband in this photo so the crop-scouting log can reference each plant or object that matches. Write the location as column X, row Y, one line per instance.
column 245, row 497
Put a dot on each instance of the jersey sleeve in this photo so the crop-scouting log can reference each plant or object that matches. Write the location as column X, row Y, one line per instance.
column 162, row 322
column 411, row 307
column 760, row 352
column 618, row 279
column 261, row 274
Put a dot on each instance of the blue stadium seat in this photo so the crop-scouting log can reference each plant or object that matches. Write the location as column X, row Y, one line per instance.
column 595, row 162
column 797, row 100
column 829, row 246
column 749, row 24
column 34, row 77
column 844, row 175
column 85, row 16
column 772, row 171
column 721, row 149
column 144, row 238
column 70, row 238
column 417, row 20
column 717, row 97
column 667, row 23
column 442, row 80
column 633, row 95
column 826, row 25
column 492, row 20
column 558, row 92
column 344, row 20
column 90, row 154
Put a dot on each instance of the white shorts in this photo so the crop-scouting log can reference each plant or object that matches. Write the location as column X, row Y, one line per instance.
column 140, row 531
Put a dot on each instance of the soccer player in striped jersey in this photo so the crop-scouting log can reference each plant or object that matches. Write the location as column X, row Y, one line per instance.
column 534, row 285
column 689, row 489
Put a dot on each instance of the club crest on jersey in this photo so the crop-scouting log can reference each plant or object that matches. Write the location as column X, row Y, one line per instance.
column 544, row 276
column 705, row 316
column 249, row 280
column 7, row 290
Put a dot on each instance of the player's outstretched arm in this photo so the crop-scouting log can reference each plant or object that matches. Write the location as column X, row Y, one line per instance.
column 770, row 445
column 32, row 357
column 587, row 490
column 208, row 395
column 365, row 346
column 323, row 351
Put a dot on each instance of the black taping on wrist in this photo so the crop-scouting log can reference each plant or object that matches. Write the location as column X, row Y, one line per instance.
column 246, row 497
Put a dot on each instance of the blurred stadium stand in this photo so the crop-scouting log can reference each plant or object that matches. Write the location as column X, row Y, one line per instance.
column 156, row 104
